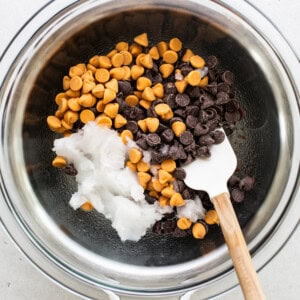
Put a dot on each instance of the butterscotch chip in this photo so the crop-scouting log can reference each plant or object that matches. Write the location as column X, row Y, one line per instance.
column 59, row 96
column 132, row 100
column 66, row 125
column 152, row 124
column 142, row 39
column 135, row 49
column 145, row 104
column 87, row 86
column 193, row 78
column 53, row 122
column 198, row 231
column 143, row 166
column 98, row 90
column 146, row 61
column 67, row 133
column 177, row 200
column 157, row 185
column 66, row 83
column 142, row 83
column 143, row 179
column 86, row 116
column 166, row 70
column 168, row 116
column 168, row 165
column 94, row 61
column 181, row 85
column 119, row 121
column 111, row 110
column 102, row 75
column 117, row 73
column 175, row 44
column 109, row 95
column 131, row 166
column 100, row 106
column 127, row 57
column 88, row 75
column 104, row 62
column 87, row 100
column 113, row 85
column 143, row 125
column 127, row 73
column 163, row 201
column 187, row 56
column 111, row 53
column 135, row 155
column 154, row 53
column 204, row 82
column 168, row 191
column 184, row 223
column 197, row 61
column 70, row 116
column 72, row 94
column 162, row 47
column 91, row 68
column 125, row 135
column 59, row 162
column 138, row 94
column 75, row 71
column 148, row 94
column 117, row 60
column 122, row 46
column 150, row 184
column 211, row 217
column 87, row 206
column 104, row 121
column 154, row 194
column 162, row 109
column 158, row 90
column 62, row 105
column 178, row 128
column 164, row 176
column 137, row 71
column 170, row 56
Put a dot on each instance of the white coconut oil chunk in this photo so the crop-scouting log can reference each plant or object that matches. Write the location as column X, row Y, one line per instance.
column 98, row 154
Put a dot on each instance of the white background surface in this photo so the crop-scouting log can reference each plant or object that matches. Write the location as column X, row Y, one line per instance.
column 20, row 280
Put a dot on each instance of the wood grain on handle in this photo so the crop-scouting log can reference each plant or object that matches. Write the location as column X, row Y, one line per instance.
column 237, row 247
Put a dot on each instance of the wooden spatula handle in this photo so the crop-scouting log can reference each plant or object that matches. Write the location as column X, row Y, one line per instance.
column 237, row 247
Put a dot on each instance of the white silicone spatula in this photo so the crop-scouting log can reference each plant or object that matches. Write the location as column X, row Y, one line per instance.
column 211, row 175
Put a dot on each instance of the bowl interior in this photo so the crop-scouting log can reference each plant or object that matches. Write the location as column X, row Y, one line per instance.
column 255, row 141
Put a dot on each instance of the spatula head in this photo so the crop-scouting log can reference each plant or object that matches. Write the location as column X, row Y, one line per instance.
column 212, row 173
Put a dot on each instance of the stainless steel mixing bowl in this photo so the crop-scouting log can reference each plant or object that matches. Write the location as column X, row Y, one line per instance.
column 82, row 251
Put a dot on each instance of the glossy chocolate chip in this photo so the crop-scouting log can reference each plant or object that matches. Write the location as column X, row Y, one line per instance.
column 228, row 77
column 182, row 100
column 167, row 135
column 142, row 142
column 186, row 138
column 132, row 126
column 156, row 157
column 153, row 139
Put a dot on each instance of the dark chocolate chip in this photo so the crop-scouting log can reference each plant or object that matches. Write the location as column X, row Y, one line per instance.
column 237, row 195
column 179, row 186
column 142, row 142
column 182, row 100
column 212, row 62
column 212, row 88
column 193, row 91
column 186, row 138
column 181, row 153
column 206, row 140
column 212, row 124
column 185, row 69
column 179, row 173
column 180, row 112
column 156, row 157
column 223, row 87
column 222, row 98
column 203, row 151
column 154, row 68
column 167, row 135
column 188, row 193
column 150, row 199
column 179, row 233
column 218, row 136
column 176, row 119
column 201, row 129
column 228, row 77
column 153, row 139
column 122, row 105
column 191, row 149
column 157, row 78
column 170, row 88
column 211, row 113
column 151, row 113
column 203, row 116
column 247, row 183
column 125, row 87
column 233, row 181
column 207, row 101
column 148, row 74
column 192, row 110
column 132, row 126
column 69, row 169
column 191, row 121
column 162, row 127
column 170, row 100
column 232, row 117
